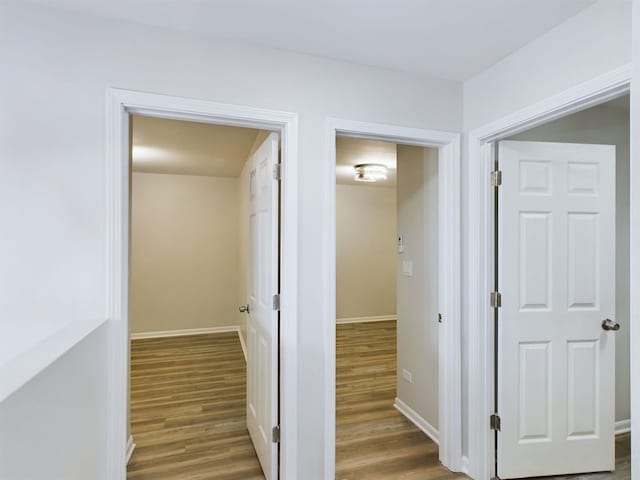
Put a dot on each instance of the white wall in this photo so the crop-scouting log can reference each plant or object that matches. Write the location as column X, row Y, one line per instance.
column 595, row 41
column 54, row 427
column 418, row 294
column 635, row 240
column 52, row 150
column 365, row 251
column 609, row 126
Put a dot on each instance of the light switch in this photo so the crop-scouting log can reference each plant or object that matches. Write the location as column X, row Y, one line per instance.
column 407, row 268
column 400, row 243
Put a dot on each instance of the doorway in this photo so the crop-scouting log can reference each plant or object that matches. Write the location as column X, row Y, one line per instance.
column 122, row 104
column 448, row 334
column 387, row 310
column 562, row 321
column 204, row 239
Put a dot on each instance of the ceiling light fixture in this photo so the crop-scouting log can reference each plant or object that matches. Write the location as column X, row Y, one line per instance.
column 370, row 172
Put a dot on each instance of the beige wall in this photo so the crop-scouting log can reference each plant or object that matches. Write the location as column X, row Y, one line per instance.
column 184, row 252
column 365, row 251
column 418, row 294
column 609, row 126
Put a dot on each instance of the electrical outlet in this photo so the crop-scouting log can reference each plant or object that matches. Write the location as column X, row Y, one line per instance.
column 406, row 374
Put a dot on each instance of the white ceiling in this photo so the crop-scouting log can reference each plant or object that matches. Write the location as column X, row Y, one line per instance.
column 352, row 151
column 189, row 148
column 452, row 39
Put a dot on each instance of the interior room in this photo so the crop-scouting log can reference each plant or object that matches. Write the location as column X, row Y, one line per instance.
column 598, row 371
column 189, row 265
column 387, row 310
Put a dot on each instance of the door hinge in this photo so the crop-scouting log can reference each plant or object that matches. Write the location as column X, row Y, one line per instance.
column 495, row 299
column 275, row 434
column 277, row 172
column 276, row 301
column 494, row 422
column 496, row 178
column 439, row 318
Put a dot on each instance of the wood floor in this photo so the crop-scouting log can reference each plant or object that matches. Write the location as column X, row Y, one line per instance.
column 188, row 410
column 374, row 440
column 188, row 402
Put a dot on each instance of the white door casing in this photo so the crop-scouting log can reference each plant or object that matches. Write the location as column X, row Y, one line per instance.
column 262, row 323
column 556, row 264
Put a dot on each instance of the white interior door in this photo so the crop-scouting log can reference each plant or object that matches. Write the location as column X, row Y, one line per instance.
column 262, row 324
column 556, row 362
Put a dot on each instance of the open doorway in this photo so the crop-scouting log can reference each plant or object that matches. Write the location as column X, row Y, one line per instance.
column 449, row 450
column 387, row 309
column 562, row 313
column 204, row 270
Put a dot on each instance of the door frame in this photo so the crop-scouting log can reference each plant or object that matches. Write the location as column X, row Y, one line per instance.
column 480, row 220
column 119, row 105
column 450, row 339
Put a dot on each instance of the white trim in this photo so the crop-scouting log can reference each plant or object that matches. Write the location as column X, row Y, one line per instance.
column 17, row 371
column 195, row 331
column 121, row 103
column 415, row 418
column 450, row 381
column 480, row 251
column 185, row 332
column 243, row 343
column 588, row 94
column 465, row 465
column 623, row 426
column 131, row 446
column 379, row 318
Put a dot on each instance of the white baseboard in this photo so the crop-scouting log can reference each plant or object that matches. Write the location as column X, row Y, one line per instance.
column 381, row 318
column 194, row 331
column 243, row 344
column 623, row 426
column 131, row 446
column 464, row 468
column 417, row 420
column 181, row 333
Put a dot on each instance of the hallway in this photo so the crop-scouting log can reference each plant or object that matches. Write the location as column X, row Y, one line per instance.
column 374, row 440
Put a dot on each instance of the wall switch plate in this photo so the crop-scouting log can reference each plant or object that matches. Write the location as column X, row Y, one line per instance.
column 406, row 374
column 407, row 268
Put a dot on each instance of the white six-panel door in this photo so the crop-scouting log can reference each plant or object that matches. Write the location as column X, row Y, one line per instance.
column 262, row 324
column 556, row 364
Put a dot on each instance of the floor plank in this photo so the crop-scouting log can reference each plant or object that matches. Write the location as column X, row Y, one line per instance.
column 374, row 441
column 188, row 397
column 188, row 410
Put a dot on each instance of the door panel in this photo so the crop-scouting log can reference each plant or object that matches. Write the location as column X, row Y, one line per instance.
column 262, row 324
column 556, row 365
